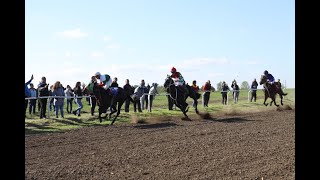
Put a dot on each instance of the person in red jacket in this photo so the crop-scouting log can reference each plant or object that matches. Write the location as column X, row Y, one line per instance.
column 196, row 89
column 206, row 95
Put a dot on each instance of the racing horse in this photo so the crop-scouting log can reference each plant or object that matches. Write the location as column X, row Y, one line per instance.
column 271, row 91
column 110, row 97
column 179, row 97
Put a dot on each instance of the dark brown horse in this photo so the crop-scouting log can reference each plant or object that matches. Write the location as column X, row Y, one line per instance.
column 179, row 97
column 110, row 97
column 271, row 91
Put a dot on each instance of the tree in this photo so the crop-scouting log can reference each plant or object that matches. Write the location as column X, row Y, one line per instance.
column 245, row 85
column 219, row 86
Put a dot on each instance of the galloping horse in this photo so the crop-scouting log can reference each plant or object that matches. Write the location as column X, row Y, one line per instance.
column 271, row 91
column 179, row 97
column 104, row 98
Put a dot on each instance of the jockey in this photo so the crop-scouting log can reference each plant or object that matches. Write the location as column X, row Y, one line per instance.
column 178, row 80
column 270, row 79
column 104, row 80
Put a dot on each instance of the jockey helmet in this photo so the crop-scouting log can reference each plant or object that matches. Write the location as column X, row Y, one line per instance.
column 173, row 70
column 97, row 74
column 265, row 72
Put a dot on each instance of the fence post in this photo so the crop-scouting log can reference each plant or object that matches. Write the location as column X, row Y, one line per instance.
column 48, row 107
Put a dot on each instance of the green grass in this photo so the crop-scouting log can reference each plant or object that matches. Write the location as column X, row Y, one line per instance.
column 35, row 125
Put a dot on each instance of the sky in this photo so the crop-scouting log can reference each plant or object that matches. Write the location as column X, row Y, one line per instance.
column 216, row 40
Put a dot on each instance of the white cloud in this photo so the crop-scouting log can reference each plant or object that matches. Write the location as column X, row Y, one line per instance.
column 213, row 75
column 97, row 54
column 204, row 61
column 74, row 33
column 253, row 62
column 113, row 46
column 106, row 38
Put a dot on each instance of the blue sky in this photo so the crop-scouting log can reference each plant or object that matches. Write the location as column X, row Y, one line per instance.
column 216, row 40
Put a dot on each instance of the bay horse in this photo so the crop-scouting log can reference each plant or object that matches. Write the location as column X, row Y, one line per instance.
column 179, row 97
column 271, row 91
column 104, row 100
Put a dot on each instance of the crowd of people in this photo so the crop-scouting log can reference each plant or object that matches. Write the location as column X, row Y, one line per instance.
column 143, row 95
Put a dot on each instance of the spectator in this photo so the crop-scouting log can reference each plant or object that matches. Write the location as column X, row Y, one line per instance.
column 225, row 89
column 235, row 91
column 146, row 92
column 254, row 87
column 152, row 93
column 27, row 94
column 128, row 88
column 114, row 82
column 32, row 102
column 195, row 87
column 206, row 95
column 143, row 96
column 78, row 93
column 69, row 94
column 89, row 89
column 43, row 91
column 137, row 95
column 58, row 102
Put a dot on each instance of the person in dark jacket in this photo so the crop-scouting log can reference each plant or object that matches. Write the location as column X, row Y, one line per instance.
column 235, row 91
column 27, row 94
column 127, row 88
column 114, row 82
column 253, row 89
column 43, row 91
column 78, row 92
column 224, row 92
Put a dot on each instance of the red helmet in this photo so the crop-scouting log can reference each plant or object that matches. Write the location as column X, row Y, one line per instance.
column 173, row 70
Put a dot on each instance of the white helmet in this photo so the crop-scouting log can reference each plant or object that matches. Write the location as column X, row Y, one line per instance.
column 97, row 74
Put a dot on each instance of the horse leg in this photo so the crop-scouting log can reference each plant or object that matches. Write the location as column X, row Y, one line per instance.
column 196, row 105
column 281, row 97
column 274, row 100
column 265, row 99
column 118, row 111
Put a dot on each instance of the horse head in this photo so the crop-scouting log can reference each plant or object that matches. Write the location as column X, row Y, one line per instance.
column 263, row 79
column 168, row 82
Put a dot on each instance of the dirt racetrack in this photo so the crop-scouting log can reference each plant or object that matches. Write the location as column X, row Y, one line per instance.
column 248, row 146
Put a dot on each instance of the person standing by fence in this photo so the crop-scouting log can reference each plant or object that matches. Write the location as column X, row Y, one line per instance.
column 127, row 88
column 235, row 91
column 78, row 92
column 253, row 89
column 224, row 92
column 206, row 94
column 43, row 91
column 58, row 102
column 69, row 93
column 195, row 87
column 32, row 102
column 27, row 94
column 152, row 93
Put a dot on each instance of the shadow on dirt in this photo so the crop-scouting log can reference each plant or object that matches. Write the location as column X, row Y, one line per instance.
column 229, row 120
column 158, row 125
